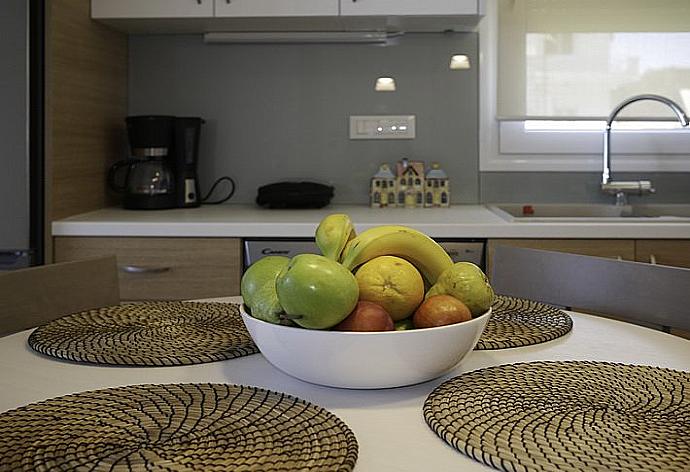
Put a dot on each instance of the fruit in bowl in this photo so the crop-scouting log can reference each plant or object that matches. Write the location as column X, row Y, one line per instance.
column 358, row 316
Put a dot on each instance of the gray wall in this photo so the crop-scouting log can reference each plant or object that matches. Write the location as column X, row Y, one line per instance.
column 577, row 187
column 279, row 112
column 14, row 190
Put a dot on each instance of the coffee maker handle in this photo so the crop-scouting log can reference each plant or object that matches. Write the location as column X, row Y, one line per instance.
column 112, row 176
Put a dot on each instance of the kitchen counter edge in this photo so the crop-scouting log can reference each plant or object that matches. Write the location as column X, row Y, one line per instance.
column 244, row 221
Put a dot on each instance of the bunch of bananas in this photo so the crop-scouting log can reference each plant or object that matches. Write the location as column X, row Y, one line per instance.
column 337, row 240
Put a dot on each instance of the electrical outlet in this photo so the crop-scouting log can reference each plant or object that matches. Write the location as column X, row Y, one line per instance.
column 382, row 127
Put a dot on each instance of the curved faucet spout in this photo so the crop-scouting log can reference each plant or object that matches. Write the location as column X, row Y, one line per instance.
column 643, row 186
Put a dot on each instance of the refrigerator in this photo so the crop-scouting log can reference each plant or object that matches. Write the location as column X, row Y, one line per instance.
column 21, row 134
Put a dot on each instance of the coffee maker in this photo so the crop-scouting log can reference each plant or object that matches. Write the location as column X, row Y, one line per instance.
column 162, row 169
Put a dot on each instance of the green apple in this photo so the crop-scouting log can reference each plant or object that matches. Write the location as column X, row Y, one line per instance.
column 316, row 292
column 466, row 282
column 258, row 288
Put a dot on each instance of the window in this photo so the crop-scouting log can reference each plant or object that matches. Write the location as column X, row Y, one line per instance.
column 554, row 69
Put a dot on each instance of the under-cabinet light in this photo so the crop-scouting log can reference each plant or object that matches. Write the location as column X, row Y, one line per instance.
column 385, row 84
column 298, row 37
column 459, row 61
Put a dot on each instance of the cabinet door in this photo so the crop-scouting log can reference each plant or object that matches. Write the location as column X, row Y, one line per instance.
column 615, row 248
column 164, row 268
column 268, row 8
column 103, row 9
column 409, row 7
column 663, row 251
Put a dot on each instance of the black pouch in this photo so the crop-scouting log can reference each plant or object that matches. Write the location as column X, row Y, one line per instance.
column 294, row 195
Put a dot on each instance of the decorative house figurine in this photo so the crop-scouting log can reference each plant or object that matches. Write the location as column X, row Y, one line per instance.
column 410, row 183
column 436, row 187
column 382, row 191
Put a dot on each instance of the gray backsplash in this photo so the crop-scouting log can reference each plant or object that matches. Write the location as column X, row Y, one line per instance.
column 280, row 112
column 571, row 187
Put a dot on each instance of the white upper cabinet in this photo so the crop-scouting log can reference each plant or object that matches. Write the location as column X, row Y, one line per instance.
column 409, row 7
column 152, row 8
column 273, row 8
column 202, row 16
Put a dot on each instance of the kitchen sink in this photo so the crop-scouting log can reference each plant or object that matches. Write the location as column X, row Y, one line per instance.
column 573, row 212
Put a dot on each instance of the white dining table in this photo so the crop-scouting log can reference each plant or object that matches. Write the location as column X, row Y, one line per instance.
column 388, row 423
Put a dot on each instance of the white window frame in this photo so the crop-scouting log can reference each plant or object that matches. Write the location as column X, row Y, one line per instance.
column 506, row 146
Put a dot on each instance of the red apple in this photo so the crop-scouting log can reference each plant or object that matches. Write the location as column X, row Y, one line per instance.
column 367, row 316
column 440, row 310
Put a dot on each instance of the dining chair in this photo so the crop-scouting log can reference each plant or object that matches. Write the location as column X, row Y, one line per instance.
column 638, row 292
column 31, row 297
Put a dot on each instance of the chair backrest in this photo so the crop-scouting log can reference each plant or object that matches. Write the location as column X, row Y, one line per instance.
column 31, row 297
column 634, row 291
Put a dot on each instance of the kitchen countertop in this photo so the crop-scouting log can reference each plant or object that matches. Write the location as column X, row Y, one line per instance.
column 238, row 220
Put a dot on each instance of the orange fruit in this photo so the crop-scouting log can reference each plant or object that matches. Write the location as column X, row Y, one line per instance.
column 393, row 283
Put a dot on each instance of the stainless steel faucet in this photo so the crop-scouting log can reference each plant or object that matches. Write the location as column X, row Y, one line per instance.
column 620, row 188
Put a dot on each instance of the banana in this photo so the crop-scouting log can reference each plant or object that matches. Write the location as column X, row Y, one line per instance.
column 418, row 248
column 333, row 233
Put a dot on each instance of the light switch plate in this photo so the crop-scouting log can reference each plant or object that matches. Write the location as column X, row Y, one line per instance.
column 382, row 127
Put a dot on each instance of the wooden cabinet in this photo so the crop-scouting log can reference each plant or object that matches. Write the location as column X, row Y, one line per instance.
column 101, row 9
column 663, row 251
column 272, row 8
column 410, row 7
column 164, row 268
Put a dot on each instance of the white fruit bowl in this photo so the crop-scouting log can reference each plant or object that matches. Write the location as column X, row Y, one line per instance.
column 365, row 360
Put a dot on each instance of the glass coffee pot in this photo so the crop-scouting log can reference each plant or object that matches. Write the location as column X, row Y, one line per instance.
column 146, row 180
column 146, row 183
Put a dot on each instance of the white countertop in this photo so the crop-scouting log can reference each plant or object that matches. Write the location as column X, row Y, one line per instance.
column 235, row 220
column 388, row 423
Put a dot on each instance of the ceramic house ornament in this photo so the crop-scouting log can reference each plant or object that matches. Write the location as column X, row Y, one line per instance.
column 410, row 183
column 436, row 187
column 382, row 190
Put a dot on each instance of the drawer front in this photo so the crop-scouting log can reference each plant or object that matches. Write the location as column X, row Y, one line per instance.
column 164, row 268
column 664, row 251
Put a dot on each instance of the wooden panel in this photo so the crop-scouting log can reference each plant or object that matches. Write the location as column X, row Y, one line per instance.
column 663, row 251
column 86, row 104
column 34, row 296
column 615, row 248
column 188, row 267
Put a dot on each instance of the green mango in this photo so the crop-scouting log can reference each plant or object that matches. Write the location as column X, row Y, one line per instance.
column 466, row 282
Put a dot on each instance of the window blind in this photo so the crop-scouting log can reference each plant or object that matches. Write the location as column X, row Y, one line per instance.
column 577, row 59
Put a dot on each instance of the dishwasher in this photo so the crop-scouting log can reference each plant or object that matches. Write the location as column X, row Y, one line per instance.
column 465, row 250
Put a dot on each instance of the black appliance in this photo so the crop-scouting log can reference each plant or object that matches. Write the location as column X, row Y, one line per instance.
column 294, row 195
column 162, row 170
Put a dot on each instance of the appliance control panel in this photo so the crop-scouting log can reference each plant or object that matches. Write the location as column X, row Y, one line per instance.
column 255, row 249
column 382, row 126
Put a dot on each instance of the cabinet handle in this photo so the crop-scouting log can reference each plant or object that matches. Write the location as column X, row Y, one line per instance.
column 652, row 259
column 130, row 269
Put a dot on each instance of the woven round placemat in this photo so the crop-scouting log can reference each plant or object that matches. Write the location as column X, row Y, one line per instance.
column 567, row 416
column 202, row 427
column 517, row 322
column 147, row 334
